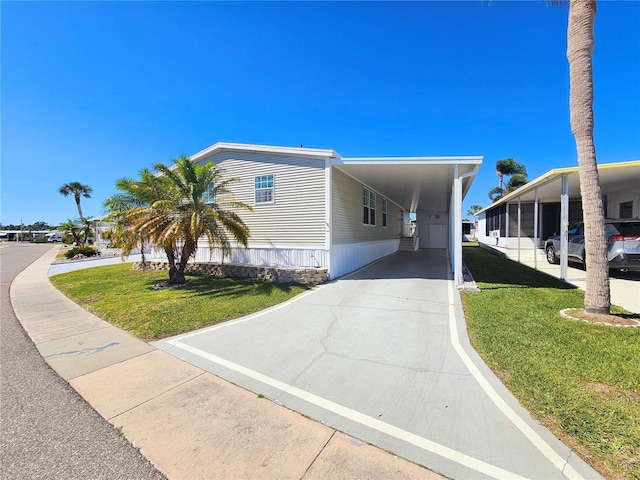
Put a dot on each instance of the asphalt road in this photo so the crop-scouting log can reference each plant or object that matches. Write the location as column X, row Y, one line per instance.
column 46, row 429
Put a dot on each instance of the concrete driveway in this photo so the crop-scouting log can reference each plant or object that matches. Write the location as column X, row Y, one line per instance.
column 383, row 355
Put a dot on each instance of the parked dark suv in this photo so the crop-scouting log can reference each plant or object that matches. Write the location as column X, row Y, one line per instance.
column 623, row 237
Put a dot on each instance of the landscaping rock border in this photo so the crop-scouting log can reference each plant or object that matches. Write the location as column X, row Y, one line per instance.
column 300, row 275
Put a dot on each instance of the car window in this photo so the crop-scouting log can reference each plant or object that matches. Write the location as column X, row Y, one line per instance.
column 575, row 230
column 610, row 230
column 628, row 228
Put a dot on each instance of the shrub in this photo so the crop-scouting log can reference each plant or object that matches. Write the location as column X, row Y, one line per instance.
column 86, row 251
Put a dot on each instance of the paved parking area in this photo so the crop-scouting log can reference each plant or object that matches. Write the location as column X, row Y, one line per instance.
column 383, row 356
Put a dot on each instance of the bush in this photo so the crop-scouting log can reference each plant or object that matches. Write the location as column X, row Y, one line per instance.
column 86, row 251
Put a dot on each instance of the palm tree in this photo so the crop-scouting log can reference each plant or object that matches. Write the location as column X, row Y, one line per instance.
column 78, row 190
column 72, row 228
column 582, row 13
column 496, row 194
column 473, row 210
column 517, row 172
column 195, row 202
column 134, row 194
column 516, row 181
column 508, row 166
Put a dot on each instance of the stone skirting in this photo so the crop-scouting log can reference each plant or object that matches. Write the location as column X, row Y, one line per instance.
column 302, row 275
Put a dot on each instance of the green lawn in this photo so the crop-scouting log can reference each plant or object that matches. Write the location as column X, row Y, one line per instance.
column 126, row 298
column 581, row 380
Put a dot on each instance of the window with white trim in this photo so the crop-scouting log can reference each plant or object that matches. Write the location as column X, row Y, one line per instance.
column 384, row 212
column 369, row 206
column 264, row 192
column 208, row 196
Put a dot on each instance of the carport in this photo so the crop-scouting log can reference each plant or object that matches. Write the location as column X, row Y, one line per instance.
column 431, row 187
column 523, row 219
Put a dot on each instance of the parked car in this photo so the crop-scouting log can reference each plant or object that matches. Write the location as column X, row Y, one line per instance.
column 623, row 237
column 54, row 238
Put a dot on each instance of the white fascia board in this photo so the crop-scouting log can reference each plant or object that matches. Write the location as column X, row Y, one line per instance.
column 553, row 175
column 246, row 147
column 470, row 160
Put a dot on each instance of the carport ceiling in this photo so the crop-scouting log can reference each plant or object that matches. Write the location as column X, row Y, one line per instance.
column 423, row 183
column 613, row 177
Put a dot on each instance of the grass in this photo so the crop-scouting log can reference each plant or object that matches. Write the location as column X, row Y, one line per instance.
column 126, row 298
column 580, row 380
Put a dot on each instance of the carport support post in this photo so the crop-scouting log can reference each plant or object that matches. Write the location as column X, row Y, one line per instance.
column 535, row 230
column 519, row 228
column 564, row 227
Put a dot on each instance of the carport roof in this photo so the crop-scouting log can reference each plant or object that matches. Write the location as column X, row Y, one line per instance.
column 415, row 183
column 618, row 176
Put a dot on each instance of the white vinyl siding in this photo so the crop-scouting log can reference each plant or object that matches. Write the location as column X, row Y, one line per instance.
column 615, row 199
column 347, row 214
column 297, row 214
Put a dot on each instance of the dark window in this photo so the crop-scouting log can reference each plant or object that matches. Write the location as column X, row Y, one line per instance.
column 384, row 212
column 626, row 210
column 368, row 206
column 496, row 220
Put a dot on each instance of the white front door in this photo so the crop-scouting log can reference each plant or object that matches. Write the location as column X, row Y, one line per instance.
column 437, row 235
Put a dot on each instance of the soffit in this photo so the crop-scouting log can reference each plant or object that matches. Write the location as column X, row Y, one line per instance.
column 414, row 185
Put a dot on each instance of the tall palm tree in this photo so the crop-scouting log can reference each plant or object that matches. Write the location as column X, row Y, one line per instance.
column 196, row 202
column 77, row 190
column 580, row 44
column 517, row 172
column 508, row 166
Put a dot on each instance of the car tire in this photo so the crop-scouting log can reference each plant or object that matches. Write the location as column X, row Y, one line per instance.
column 552, row 256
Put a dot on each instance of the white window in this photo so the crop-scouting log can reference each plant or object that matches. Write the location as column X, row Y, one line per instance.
column 384, row 212
column 208, row 196
column 369, row 206
column 264, row 189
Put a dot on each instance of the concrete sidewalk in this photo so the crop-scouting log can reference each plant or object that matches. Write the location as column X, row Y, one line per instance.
column 189, row 423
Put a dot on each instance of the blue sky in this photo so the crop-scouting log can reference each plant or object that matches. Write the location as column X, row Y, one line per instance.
column 94, row 91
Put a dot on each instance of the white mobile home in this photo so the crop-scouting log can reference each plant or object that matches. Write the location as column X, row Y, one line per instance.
column 314, row 208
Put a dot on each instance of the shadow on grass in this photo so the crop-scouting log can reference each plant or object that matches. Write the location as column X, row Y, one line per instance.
column 488, row 267
column 221, row 287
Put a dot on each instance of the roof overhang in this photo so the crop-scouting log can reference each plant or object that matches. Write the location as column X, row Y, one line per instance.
column 547, row 187
column 274, row 150
column 414, row 183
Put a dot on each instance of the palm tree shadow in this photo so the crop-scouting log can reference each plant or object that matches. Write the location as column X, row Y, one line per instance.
column 229, row 287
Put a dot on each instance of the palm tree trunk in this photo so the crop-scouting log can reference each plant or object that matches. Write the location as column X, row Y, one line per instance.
column 580, row 44
column 77, row 198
